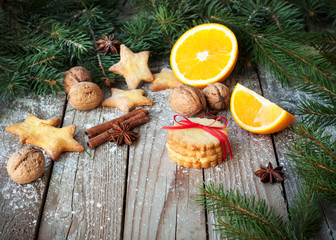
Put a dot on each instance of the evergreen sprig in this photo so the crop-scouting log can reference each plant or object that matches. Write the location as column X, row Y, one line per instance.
column 314, row 155
column 304, row 217
column 241, row 217
column 40, row 40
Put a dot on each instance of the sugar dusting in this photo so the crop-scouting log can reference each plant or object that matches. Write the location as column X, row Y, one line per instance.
column 14, row 193
column 86, row 193
column 23, row 202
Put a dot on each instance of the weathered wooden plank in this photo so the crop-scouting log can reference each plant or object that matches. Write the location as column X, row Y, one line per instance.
column 159, row 200
column 20, row 205
column 249, row 151
column 288, row 98
column 85, row 196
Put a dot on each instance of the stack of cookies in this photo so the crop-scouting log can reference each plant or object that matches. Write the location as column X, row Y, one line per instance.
column 194, row 147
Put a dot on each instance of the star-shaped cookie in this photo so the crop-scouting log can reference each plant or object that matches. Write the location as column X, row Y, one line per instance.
column 164, row 80
column 30, row 126
column 133, row 67
column 126, row 100
column 53, row 140
column 56, row 140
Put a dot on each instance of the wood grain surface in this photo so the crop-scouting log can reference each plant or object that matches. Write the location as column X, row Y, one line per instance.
column 20, row 205
column 137, row 192
column 85, row 195
column 159, row 201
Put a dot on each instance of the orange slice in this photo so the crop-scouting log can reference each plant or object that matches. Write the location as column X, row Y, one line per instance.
column 256, row 114
column 204, row 54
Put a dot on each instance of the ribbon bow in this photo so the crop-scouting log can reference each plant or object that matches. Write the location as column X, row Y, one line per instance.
column 214, row 131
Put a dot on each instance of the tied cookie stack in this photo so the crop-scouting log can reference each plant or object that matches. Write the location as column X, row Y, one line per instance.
column 198, row 142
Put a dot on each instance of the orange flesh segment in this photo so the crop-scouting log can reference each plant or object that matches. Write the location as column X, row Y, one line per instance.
column 210, row 59
column 259, row 115
column 256, row 114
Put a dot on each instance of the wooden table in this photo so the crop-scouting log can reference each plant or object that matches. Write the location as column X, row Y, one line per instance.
column 137, row 192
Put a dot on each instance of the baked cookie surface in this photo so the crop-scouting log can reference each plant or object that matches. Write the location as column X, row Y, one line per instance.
column 195, row 147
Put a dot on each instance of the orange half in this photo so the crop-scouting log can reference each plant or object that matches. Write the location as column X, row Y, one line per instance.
column 204, row 54
column 256, row 114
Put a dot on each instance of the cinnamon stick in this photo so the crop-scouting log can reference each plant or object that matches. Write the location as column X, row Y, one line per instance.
column 134, row 121
column 94, row 131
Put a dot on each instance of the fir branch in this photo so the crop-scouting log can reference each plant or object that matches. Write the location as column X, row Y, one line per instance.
column 235, row 231
column 12, row 84
column 315, row 113
column 315, row 138
column 75, row 17
column 311, row 83
column 291, row 53
column 271, row 59
column 304, row 214
column 78, row 46
column 43, row 61
column 328, row 191
column 5, row 7
column 242, row 217
column 21, row 45
column 6, row 69
column 53, row 82
column 314, row 156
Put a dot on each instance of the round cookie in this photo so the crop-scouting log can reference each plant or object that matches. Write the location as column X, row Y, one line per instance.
column 194, row 157
column 193, row 161
column 195, row 147
column 192, row 153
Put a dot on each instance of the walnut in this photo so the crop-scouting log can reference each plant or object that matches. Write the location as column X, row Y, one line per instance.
column 217, row 96
column 187, row 100
column 26, row 165
column 75, row 75
column 85, row 95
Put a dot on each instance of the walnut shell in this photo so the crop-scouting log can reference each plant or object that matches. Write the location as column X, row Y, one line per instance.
column 85, row 95
column 75, row 75
column 217, row 96
column 187, row 100
column 26, row 165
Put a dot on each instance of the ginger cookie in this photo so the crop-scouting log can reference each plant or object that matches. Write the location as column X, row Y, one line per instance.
column 133, row 67
column 164, row 80
column 126, row 100
column 29, row 126
column 39, row 133
column 195, row 147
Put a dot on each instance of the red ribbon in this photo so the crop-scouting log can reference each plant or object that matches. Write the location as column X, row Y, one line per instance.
column 214, row 131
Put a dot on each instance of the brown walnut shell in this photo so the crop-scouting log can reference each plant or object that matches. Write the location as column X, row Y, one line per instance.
column 75, row 75
column 85, row 96
column 187, row 100
column 217, row 96
column 26, row 165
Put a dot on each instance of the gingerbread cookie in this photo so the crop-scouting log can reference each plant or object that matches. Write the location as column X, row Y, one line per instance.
column 133, row 67
column 126, row 100
column 39, row 133
column 29, row 126
column 164, row 80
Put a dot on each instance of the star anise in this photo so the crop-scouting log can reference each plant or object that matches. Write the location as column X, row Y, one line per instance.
column 108, row 44
column 270, row 174
column 211, row 114
column 120, row 133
